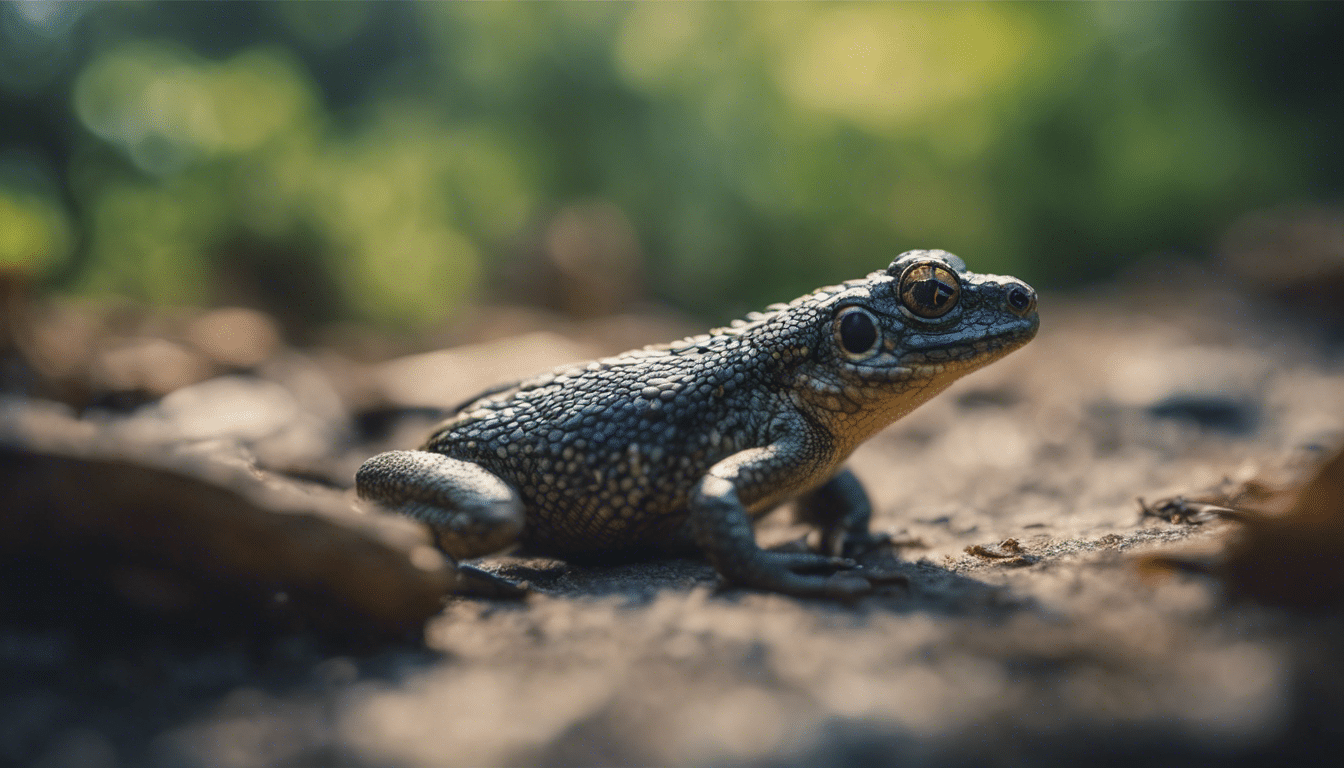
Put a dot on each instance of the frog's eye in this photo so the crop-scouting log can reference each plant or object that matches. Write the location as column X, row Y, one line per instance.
column 857, row 331
column 929, row 289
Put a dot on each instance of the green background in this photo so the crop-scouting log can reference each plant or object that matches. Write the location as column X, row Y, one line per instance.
column 393, row 163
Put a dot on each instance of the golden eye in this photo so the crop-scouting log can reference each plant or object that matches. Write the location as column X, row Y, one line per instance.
column 929, row 289
column 857, row 331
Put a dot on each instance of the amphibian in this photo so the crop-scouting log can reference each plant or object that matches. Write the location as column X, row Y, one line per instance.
column 681, row 447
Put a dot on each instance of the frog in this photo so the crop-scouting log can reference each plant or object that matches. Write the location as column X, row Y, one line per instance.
column 682, row 448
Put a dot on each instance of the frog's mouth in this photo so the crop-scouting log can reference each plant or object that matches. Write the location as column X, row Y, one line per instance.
column 977, row 351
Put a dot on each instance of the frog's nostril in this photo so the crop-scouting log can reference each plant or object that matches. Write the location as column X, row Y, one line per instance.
column 1021, row 299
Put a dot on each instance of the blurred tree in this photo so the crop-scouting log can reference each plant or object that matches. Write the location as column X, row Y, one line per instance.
column 387, row 161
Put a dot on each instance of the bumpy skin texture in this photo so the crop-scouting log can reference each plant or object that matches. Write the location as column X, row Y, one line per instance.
column 682, row 446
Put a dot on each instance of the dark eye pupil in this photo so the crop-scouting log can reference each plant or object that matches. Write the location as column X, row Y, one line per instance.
column 857, row 332
column 930, row 290
column 933, row 293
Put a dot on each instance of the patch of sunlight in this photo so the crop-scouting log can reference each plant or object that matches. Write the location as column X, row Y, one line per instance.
column 479, row 173
column 34, row 232
column 165, row 106
column 884, row 66
column 656, row 41
column 412, row 274
column 257, row 95
column 385, row 206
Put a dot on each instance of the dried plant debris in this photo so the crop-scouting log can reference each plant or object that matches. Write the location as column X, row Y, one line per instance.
column 187, row 533
column 1180, row 510
column 1290, row 546
column 1221, row 501
column 1009, row 552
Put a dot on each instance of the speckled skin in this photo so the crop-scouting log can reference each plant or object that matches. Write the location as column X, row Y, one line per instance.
column 681, row 446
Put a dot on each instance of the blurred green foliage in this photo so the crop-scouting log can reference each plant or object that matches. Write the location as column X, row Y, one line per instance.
column 386, row 162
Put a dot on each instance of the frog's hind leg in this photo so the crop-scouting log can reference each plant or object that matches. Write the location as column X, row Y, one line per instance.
column 471, row 511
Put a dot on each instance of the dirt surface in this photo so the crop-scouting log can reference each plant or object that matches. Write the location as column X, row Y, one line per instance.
column 1025, row 636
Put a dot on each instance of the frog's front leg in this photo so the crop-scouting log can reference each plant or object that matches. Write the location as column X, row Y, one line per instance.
column 471, row 511
column 722, row 528
column 840, row 509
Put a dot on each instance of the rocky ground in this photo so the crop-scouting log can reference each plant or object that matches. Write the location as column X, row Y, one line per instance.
column 1028, row 632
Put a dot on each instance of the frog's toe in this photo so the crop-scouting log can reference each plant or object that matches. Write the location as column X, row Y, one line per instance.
column 857, row 545
column 808, row 562
column 797, row 574
column 845, row 587
column 477, row 582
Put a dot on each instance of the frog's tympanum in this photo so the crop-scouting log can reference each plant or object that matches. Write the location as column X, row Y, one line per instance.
column 680, row 447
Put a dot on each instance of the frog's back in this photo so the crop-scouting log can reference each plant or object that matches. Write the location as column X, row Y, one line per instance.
column 604, row 454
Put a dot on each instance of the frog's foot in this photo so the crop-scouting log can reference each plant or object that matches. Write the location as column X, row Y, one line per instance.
column 808, row 562
column 861, row 546
column 477, row 582
column 854, row 544
column 799, row 574
column 870, row 543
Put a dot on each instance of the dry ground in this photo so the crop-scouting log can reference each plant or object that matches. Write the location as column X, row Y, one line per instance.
column 1050, row 649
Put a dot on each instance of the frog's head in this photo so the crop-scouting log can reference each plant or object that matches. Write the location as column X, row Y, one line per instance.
column 891, row 341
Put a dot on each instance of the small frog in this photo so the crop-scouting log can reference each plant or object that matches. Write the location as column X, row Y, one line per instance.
column 681, row 447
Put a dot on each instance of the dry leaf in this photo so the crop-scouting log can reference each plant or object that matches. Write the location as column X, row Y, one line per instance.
column 1291, row 556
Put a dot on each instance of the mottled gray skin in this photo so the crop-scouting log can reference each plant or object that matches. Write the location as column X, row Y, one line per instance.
column 682, row 446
